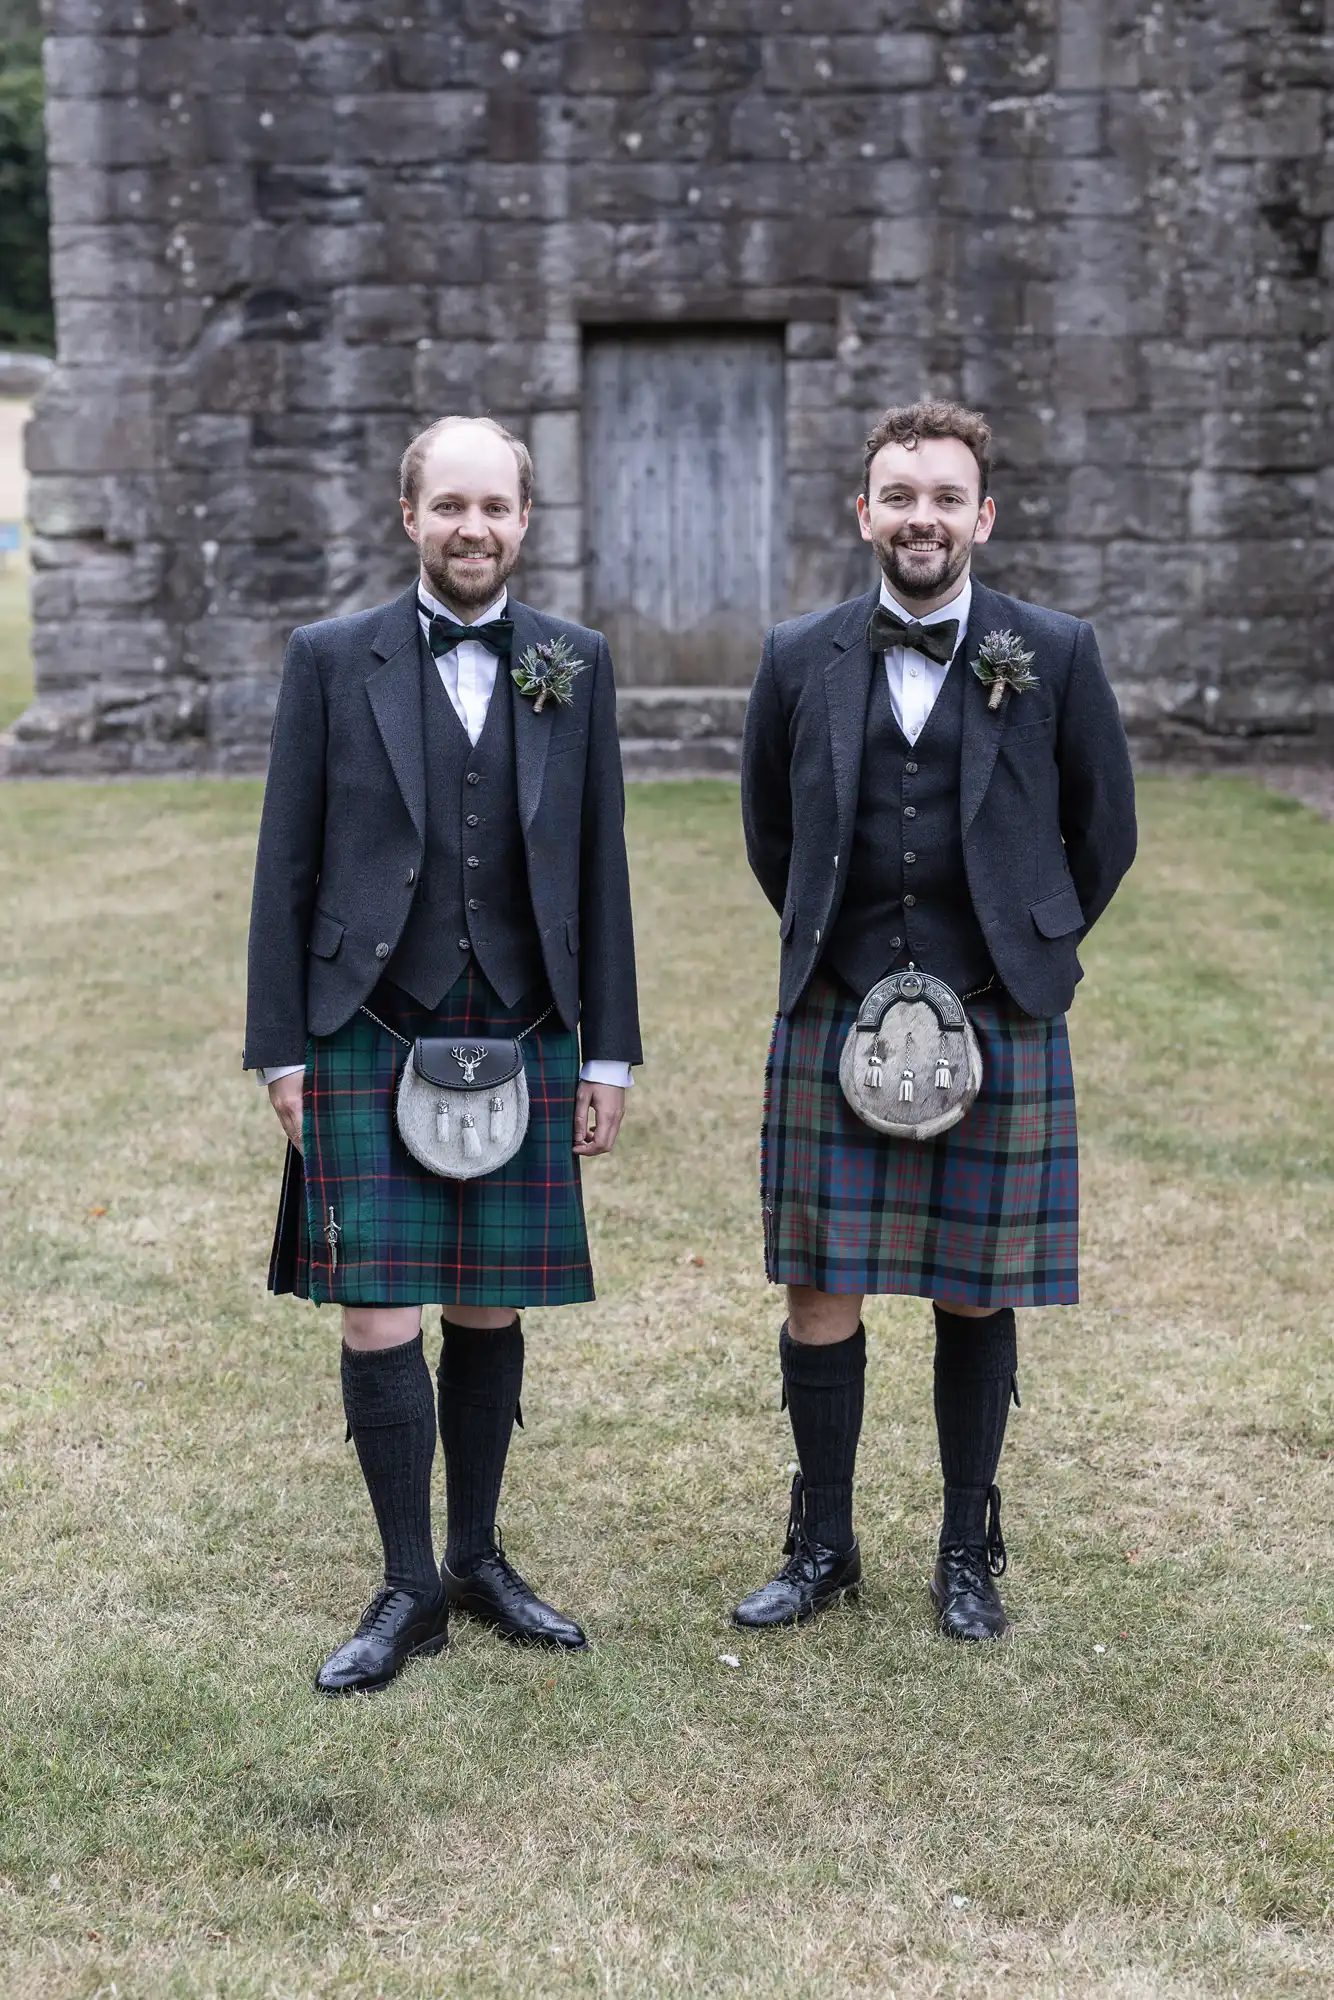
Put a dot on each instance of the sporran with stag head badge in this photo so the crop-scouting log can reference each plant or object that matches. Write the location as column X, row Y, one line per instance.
column 911, row 1065
column 462, row 1102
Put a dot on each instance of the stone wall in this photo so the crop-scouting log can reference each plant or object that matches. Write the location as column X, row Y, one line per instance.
column 287, row 231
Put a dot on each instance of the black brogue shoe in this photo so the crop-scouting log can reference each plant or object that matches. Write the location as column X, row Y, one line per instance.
column 812, row 1577
column 396, row 1626
column 963, row 1587
column 493, row 1591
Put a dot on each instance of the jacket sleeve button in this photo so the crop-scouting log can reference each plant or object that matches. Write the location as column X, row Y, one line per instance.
column 382, row 951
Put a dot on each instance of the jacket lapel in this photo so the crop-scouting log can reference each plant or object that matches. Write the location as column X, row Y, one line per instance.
column 847, row 681
column 394, row 691
column 532, row 732
column 982, row 726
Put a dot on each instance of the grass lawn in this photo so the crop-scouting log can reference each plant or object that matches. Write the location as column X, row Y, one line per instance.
column 1131, row 1798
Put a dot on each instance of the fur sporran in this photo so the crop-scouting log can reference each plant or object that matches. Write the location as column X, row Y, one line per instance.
column 462, row 1102
column 911, row 1065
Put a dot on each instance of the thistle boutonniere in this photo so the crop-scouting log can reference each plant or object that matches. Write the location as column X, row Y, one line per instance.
column 1003, row 661
column 546, row 673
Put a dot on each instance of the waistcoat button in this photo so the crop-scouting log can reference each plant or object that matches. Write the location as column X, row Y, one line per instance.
column 465, row 944
column 473, row 862
column 473, row 903
column 909, row 902
column 910, row 812
column 474, row 777
column 911, row 769
column 910, row 857
column 896, row 944
column 382, row 951
column 473, row 820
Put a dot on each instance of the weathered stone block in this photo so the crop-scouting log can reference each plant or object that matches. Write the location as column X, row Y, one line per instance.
column 901, row 250
column 392, row 314
column 1280, row 126
column 285, row 236
column 124, row 435
column 1066, row 575
column 1251, row 507
column 1279, row 440
column 813, row 65
column 555, row 441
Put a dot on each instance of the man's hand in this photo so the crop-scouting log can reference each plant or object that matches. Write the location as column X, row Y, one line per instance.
column 598, row 1111
column 285, row 1097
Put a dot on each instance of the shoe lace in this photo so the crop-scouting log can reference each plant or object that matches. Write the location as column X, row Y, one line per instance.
column 797, row 1548
column 972, row 1567
column 997, row 1560
column 375, row 1619
column 504, row 1565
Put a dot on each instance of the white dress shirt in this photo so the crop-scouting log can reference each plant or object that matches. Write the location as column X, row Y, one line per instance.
column 468, row 675
column 915, row 681
column 468, row 671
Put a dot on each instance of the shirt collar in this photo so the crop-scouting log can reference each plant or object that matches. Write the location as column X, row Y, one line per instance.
column 427, row 605
column 958, row 607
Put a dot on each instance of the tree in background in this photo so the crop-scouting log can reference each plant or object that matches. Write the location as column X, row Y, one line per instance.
column 26, row 318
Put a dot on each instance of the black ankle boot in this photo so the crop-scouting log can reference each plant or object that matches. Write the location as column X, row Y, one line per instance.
column 968, row 1604
column 812, row 1577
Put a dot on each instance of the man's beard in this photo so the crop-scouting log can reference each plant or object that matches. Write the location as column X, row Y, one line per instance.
column 473, row 588
column 918, row 577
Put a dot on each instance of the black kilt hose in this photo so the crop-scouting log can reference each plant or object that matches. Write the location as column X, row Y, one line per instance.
column 404, row 1236
column 985, row 1215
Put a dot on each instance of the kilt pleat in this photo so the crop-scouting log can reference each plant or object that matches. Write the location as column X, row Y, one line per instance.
column 516, row 1237
column 985, row 1215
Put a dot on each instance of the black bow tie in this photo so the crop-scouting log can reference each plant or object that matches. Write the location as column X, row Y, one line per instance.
column 443, row 634
column 936, row 641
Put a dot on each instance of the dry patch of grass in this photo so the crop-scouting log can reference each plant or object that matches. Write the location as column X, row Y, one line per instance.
column 1129, row 1800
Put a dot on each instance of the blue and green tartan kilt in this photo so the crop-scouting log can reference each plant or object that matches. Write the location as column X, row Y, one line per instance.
column 985, row 1215
column 408, row 1237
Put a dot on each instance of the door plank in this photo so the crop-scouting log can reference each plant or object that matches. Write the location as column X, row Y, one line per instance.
column 684, row 502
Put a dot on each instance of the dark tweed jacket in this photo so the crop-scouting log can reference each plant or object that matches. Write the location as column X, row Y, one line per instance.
column 1047, row 801
column 343, row 832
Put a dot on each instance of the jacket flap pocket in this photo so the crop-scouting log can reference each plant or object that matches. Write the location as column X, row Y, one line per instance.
column 326, row 934
column 572, row 934
column 1058, row 915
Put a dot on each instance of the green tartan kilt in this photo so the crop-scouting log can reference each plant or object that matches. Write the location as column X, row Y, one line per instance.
column 408, row 1237
column 985, row 1215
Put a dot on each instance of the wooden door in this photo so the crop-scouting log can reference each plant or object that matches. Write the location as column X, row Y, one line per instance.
column 683, row 486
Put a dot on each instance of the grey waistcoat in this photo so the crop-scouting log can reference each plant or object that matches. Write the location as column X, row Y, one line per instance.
column 473, row 897
column 907, row 893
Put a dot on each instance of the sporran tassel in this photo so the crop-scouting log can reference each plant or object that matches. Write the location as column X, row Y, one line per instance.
column 442, row 1121
column 905, row 1087
column 472, row 1145
column 497, row 1118
column 942, row 1074
column 874, row 1066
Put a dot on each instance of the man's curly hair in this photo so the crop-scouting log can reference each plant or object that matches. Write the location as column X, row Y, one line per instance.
column 909, row 423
